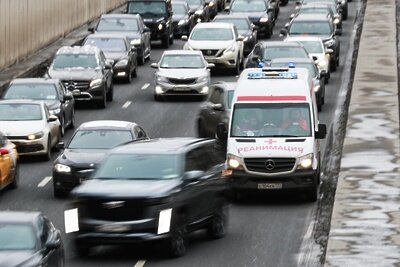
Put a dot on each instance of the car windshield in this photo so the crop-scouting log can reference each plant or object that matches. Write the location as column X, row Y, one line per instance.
column 179, row 9
column 312, row 46
column 312, row 69
column 16, row 237
column 248, row 6
column 241, row 24
column 117, row 25
column 212, row 34
column 284, row 52
column 99, row 139
column 230, row 98
column 31, row 91
column 147, row 7
column 107, row 44
column 271, row 120
column 139, row 167
column 20, row 112
column 182, row 62
column 311, row 28
column 63, row 61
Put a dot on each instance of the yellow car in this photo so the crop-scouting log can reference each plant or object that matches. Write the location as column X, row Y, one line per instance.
column 8, row 163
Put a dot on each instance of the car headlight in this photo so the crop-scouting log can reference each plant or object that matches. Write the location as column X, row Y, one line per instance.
column 35, row 136
column 96, row 83
column 121, row 63
column 322, row 63
column 211, row 4
column 336, row 21
column 245, row 39
column 305, row 162
column 161, row 79
column 160, row 26
column 317, row 87
column 164, row 221
column 182, row 22
column 199, row 12
column 343, row 2
column 62, row 168
column 230, row 49
column 329, row 42
column 54, row 111
column 202, row 79
column 264, row 19
column 136, row 41
column 234, row 162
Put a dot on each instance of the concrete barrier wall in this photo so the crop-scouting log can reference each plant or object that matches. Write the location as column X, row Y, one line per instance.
column 28, row 25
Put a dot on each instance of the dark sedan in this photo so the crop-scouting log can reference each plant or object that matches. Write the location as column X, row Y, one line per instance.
column 29, row 239
column 216, row 109
column 87, row 147
column 116, row 48
column 183, row 19
column 245, row 28
column 131, row 25
column 59, row 100
column 154, row 190
column 200, row 10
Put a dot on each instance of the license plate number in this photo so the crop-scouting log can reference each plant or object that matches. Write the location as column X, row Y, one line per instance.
column 76, row 92
column 268, row 186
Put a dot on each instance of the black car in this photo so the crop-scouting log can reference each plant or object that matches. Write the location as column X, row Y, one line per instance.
column 261, row 13
column 264, row 52
column 116, row 48
column 183, row 19
column 157, row 15
column 29, row 239
column 200, row 10
column 59, row 100
column 154, row 190
column 245, row 28
column 216, row 109
column 132, row 26
column 321, row 26
column 86, row 148
column 84, row 71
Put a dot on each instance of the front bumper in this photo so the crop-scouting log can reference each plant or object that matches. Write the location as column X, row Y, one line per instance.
column 227, row 60
column 181, row 89
column 95, row 93
column 30, row 147
column 182, row 29
column 67, row 181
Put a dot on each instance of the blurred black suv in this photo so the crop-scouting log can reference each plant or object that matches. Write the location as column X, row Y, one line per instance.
column 158, row 189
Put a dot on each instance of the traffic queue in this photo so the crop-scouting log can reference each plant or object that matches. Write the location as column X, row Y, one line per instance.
column 125, row 187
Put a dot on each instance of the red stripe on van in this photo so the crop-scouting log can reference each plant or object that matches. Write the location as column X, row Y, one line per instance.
column 272, row 98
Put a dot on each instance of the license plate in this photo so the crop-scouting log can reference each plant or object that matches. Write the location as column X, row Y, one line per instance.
column 268, row 186
column 113, row 228
column 181, row 88
column 76, row 92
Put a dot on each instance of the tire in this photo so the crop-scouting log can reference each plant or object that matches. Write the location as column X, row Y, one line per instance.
column 333, row 65
column 236, row 70
column 62, row 125
column 102, row 103
column 47, row 156
column 177, row 244
column 142, row 58
column 72, row 122
column 134, row 73
column 110, row 94
column 319, row 107
column 157, row 97
column 15, row 182
column 171, row 40
column 58, row 193
column 345, row 15
column 269, row 32
column 59, row 138
column 129, row 78
column 165, row 41
column 218, row 226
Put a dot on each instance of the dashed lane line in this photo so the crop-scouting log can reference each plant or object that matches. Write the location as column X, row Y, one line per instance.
column 145, row 86
column 140, row 263
column 45, row 181
column 127, row 104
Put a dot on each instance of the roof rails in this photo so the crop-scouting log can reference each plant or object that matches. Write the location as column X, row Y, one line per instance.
column 272, row 73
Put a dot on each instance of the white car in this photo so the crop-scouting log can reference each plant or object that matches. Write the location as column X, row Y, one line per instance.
column 220, row 44
column 316, row 48
column 29, row 125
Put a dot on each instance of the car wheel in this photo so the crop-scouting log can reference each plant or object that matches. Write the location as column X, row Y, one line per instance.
column 158, row 97
column 62, row 122
column 59, row 193
column 110, row 94
column 72, row 122
column 219, row 223
column 59, row 138
column 102, row 103
column 82, row 249
column 15, row 182
column 269, row 31
column 236, row 70
column 134, row 73
column 177, row 244
column 345, row 14
column 129, row 78
column 47, row 156
column 319, row 107
column 333, row 65
column 142, row 58
column 165, row 41
column 171, row 39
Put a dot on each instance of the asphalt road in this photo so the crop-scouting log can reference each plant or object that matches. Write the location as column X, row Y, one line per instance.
column 264, row 231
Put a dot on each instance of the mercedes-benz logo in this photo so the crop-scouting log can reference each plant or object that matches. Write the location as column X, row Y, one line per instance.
column 209, row 52
column 269, row 164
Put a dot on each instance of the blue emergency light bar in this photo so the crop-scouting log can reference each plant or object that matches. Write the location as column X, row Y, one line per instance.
column 272, row 74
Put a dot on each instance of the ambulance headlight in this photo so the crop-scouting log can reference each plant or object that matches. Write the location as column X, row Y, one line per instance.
column 234, row 162
column 305, row 162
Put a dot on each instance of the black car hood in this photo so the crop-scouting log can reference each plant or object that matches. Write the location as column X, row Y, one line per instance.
column 116, row 56
column 153, row 19
column 193, row 8
column 75, row 74
column 82, row 157
column 16, row 258
column 109, row 188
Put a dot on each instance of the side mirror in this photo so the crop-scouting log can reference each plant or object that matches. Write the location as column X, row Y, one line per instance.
column 52, row 118
column 184, row 38
column 53, row 244
column 133, row 49
column 255, row 27
column 146, row 29
column 192, row 176
column 4, row 151
column 222, row 132
column 329, row 51
column 210, row 65
column 191, row 12
column 154, row 65
column 321, row 131
column 226, row 9
column 314, row 58
column 60, row 145
column 108, row 65
column 68, row 96
column 91, row 29
column 283, row 31
column 44, row 66
column 240, row 38
column 218, row 107
column 270, row 9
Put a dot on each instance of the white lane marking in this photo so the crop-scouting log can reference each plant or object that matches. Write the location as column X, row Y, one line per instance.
column 140, row 263
column 45, row 181
column 127, row 104
column 145, row 86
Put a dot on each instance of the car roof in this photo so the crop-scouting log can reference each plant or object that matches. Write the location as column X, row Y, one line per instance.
column 303, row 38
column 214, row 25
column 86, row 49
column 311, row 17
column 18, row 216
column 294, row 60
column 34, row 81
column 279, row 44
column 182, row 52
column 125, row 16
column 159, row 145
column 107, row 124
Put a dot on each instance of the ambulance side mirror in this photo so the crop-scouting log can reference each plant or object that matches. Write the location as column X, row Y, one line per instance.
column 222, row 132
column 321, row 131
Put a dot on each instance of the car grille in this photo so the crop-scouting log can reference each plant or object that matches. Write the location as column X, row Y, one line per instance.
column 80, row 85
column 182, row 81
column 17, row 138
column 29, row 148
column 278, row 164
column 210, row 52
column 104, row 209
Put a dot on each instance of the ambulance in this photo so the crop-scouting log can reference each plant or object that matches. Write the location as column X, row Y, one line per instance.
column 273, row 137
